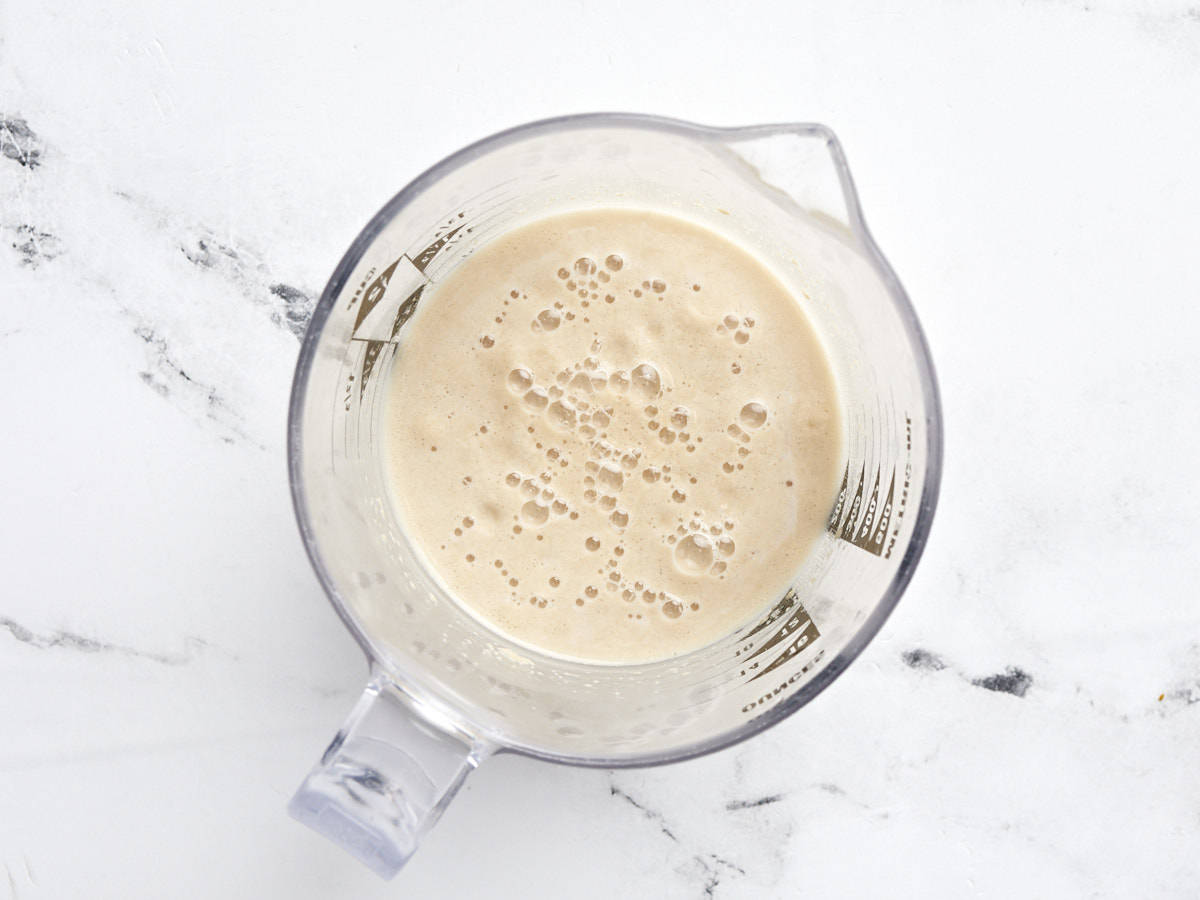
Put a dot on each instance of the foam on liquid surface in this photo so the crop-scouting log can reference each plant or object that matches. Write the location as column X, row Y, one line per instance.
column 613, row 434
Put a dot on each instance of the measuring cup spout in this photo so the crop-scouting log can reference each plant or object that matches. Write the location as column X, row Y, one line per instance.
column 802, row 165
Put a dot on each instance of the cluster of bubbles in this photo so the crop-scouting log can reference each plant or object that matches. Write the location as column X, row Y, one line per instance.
column 738, row 327
column 578, row 401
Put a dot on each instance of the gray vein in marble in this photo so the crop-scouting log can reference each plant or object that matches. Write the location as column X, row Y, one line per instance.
column 34, row 246
column 655, row 817
column 714, row 868
column 290, row 307
column 735, row 805
column 709, row 867
column 1013, row 680
column 19, row 143
column 297, row 307
column 67, row 640
column 165, row 376
column 922, row 659
column 1185, row 691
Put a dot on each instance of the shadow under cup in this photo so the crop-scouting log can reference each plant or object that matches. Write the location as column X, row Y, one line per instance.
column 782, row 191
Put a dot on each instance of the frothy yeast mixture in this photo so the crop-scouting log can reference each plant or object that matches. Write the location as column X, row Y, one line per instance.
column 613, row 434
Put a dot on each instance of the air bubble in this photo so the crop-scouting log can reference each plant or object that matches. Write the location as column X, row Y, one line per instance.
column 561, row 415
column 547, row 320
column 753, row 415
column 629, row 460
column 535, row 513
column 725, row 545
column 529, row 487
column 651, row 475
column 694, row 554
column 582, row 382
column 743, row 452
column 678, row 496
column 614, row 262
column 672, row 609
column 680, row 416
column 619, row 518
column 520, row 380
column 470, row 557
column 646, row 381
column 717, row 568
column 741, row 337
column 592, row 544
column 536, row 398
column 611, row 477
column 584, row 266
column 727, row 467
column 619, row 381
column 735, row 368
column 467, row 522
column 512, row 479
column 558, row 507
column 554, row 582
column 607, row 502
column 590, row 591
column 658, row 285
column 667, row 436
column 589, row 496
column 487, row 341
column 564, row 274
column 730, row 321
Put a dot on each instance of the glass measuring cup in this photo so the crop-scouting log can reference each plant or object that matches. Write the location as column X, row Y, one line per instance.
column 445, row 692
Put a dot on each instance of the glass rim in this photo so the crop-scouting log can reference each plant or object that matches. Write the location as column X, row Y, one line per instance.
column 925, row 506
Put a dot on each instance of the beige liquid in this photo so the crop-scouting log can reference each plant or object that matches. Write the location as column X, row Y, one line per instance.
column 614, row 435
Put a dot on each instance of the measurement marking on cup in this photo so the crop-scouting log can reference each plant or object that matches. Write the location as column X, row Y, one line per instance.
column 865, row 521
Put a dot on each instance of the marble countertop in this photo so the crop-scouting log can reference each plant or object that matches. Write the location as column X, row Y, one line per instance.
column 177, row 181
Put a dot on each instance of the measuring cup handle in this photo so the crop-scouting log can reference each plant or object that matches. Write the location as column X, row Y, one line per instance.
column 386, row 778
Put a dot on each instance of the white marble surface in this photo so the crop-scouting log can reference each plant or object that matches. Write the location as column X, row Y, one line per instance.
column 177, row 180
